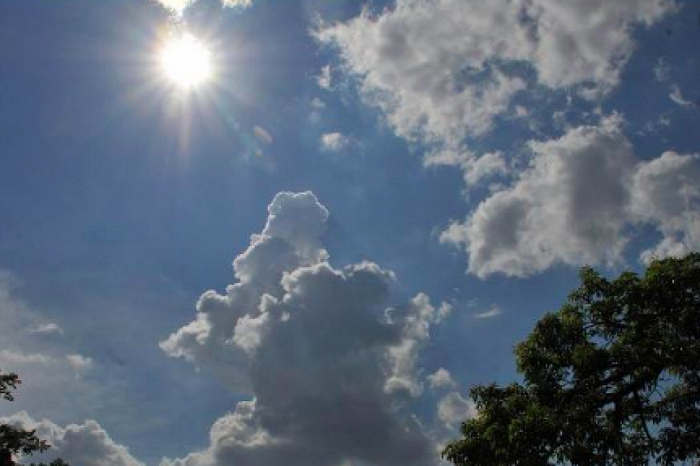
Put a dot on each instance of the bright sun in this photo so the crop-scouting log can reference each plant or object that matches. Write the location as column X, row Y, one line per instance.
column 186, row 61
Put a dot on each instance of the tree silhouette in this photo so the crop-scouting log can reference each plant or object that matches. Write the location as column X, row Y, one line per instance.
column 612, row 378
column 15, row 441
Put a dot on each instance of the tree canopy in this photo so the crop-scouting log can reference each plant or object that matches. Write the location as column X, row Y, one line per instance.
column 16, row 441
column 613, row 377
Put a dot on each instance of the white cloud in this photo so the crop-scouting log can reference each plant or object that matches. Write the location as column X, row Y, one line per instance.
column 677, row 97
column 662, row 70
column 493, row 311
column 325, row 79
column 84, row 444
column 328, row 365
column 417, row 316
column 46, row 329
column 12, row 360
column 521, row 111
column 666, row 194
column 33, row 349
column 334, row 142
column 79, row 362
column 443, row 70
column 179, row 6
column 176, row 6
column 21, row 362
column 237, row 3
column 568, row 207
column 476, row 169
column 453, row 409
column 441, row 378
column 575, row 202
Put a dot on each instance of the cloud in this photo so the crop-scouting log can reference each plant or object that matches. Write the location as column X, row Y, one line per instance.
column 334, row 142
column 237, row 3
column 10, row 360
column 662, row 70
column 84, row 444
column 453, row 408
column 46, row 329
column 20, row 361
column 493, row 311
column 176, row 6
column 329, row 365
column 677, row 97
column 666, row 194
column 35, row 350
column 575, row 202
column 476, row 169
column 568, row 207
column 441, row 379
column 443, row 70
column 79, row 362
column 325, row 79
column 179, row 6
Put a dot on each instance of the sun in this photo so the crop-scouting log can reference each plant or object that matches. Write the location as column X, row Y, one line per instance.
column 187, row 61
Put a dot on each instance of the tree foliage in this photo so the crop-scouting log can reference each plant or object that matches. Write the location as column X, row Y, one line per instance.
column 612, row 378
column 16, row 441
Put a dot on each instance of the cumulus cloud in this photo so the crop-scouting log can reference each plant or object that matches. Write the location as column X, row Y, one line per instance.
column 325, row 79
column 84, row 444
column 575, row 202
column 666, row 194
column 441, row 378
column 443, row 70
column 79, row 362
column 334, row 142
column 329, row 365
column 453, row 409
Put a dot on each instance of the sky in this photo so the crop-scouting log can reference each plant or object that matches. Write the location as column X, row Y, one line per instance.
column 308, row 257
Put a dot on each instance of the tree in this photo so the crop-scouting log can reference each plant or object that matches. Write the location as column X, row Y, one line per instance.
column 611, row 378
column 15, row 441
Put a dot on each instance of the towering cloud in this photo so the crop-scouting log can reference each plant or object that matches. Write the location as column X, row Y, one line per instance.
column 329, row 365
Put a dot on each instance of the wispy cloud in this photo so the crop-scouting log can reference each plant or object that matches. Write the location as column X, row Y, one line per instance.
column 677, row 96
column 46, row 329
column 493, row 311
column 179, row 6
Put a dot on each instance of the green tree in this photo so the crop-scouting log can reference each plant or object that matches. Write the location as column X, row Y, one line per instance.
column 15, row 441
column 611, row 378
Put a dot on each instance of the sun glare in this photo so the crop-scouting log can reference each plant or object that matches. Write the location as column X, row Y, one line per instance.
column 187, row 61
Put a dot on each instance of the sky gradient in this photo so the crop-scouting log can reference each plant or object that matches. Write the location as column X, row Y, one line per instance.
column 382, row 198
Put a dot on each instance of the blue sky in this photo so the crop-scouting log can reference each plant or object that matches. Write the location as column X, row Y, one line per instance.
column 478, row 154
